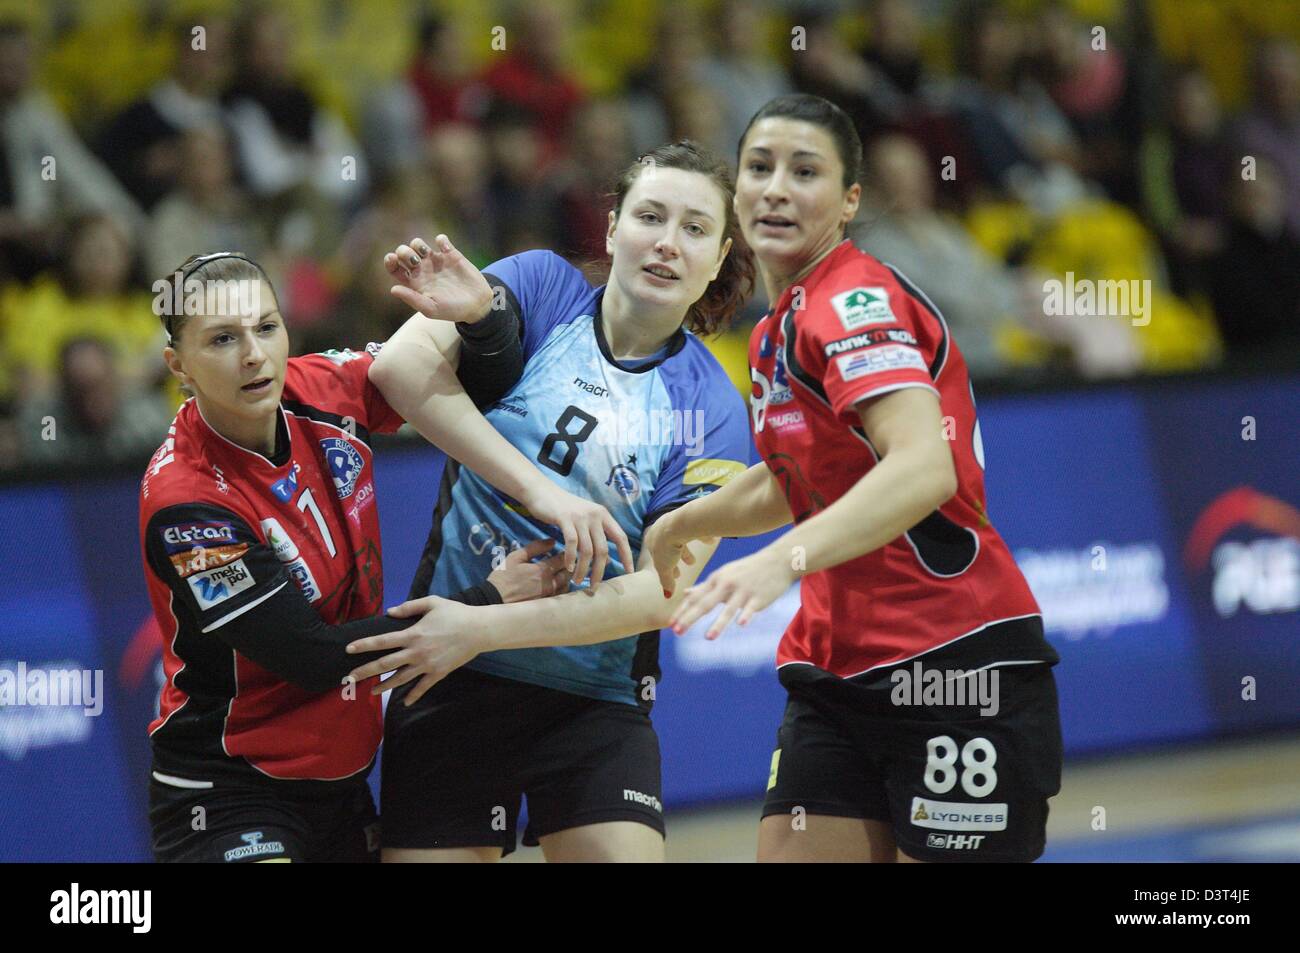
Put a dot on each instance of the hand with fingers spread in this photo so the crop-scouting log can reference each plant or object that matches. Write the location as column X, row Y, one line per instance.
column 742, row 588
column 438, row 281
column 520, row 578
column 442, row 641
column 587, row 528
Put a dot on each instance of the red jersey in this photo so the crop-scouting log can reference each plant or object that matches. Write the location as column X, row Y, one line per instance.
column 855, row 329
column 223, row 529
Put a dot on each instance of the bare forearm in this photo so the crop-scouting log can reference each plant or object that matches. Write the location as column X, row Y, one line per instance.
column 418, row 380
column 748, row 505
column 626, row 605
column 911, row 486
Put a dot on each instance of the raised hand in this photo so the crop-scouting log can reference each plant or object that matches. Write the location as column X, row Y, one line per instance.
column 439, row 282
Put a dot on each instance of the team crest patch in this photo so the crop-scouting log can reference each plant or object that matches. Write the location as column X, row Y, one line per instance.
column 859, row 307
column 624, row 481
column 345, row 464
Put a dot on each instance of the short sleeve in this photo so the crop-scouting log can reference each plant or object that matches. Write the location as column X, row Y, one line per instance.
column 212, row 561
column 338, row 382
column 867, row 341
column 543, row 289
column 714, row 447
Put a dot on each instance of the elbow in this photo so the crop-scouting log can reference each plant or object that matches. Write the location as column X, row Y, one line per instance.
column 380, row 372
column 947, row 482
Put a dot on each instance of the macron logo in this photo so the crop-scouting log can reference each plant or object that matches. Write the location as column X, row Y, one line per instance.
column 648, row 799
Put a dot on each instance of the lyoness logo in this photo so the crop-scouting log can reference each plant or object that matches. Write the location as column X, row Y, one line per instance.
column 1260, row 575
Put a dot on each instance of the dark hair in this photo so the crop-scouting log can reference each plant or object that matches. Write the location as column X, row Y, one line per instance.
column 728, row 292
column 217, row 266
column 806, row 107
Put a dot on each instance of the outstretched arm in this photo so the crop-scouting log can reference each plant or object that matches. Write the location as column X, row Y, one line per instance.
column 449, row 635
column 914, row 477
column 748, row 505
column 417, row 377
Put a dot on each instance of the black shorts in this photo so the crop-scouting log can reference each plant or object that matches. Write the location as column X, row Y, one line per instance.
column 313, row 822
column 457, row 763
column 954, row 784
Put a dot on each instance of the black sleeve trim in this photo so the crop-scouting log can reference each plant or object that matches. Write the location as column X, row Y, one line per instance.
column 484, row 594
column 492, row 350
column 283, row 634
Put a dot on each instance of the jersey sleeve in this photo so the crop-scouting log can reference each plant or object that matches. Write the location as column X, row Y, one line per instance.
column 338, row 382
column 714, row 447
column 541, row 288
column 866, row 341
column 215, row 565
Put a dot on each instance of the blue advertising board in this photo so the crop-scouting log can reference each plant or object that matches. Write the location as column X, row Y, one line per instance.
column 1159, row 529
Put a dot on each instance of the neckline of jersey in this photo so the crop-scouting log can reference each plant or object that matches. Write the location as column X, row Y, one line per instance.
column 783, row 302
column 675, row 343
column 285, row 452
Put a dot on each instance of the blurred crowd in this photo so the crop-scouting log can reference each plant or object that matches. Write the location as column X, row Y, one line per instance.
column 1008, row 145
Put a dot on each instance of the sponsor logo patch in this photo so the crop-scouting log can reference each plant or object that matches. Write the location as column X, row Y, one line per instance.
column 877, row 360
column 859, row 307
column 206, row 557
column 709, row 470
column 182, row 537
column 284, row 489
column 345, row 464
column 958, row 816
column 286, row 550
column 364, row 500
column 341, row 357
column 955, row 841
column 215, row 586
column 303, row 578
column 254, row 846
column 868, row 338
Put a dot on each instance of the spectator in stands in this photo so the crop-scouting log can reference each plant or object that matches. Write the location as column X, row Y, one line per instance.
column 827, row 66
column 600, row 151
column 1256, row 277
column 1183, row 168
column 1093, row 88
column 893, row 48
column 1023, row 142
column 291, row 148
column 976, row 295
column 95, row 417
column 208, row 211
column 47, row 175
column 523, row 190
column 91, row 296
column 142, row 144
column 533, row 74
column 459, row 161
column 440, row 87
column 676, row 59
column 442, row 76
column 741, row 73
column 1271, row 128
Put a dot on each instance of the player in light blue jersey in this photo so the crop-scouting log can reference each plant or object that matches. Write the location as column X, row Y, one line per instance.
column 613, row 397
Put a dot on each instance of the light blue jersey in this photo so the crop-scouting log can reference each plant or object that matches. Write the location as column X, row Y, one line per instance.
column 639, row 439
